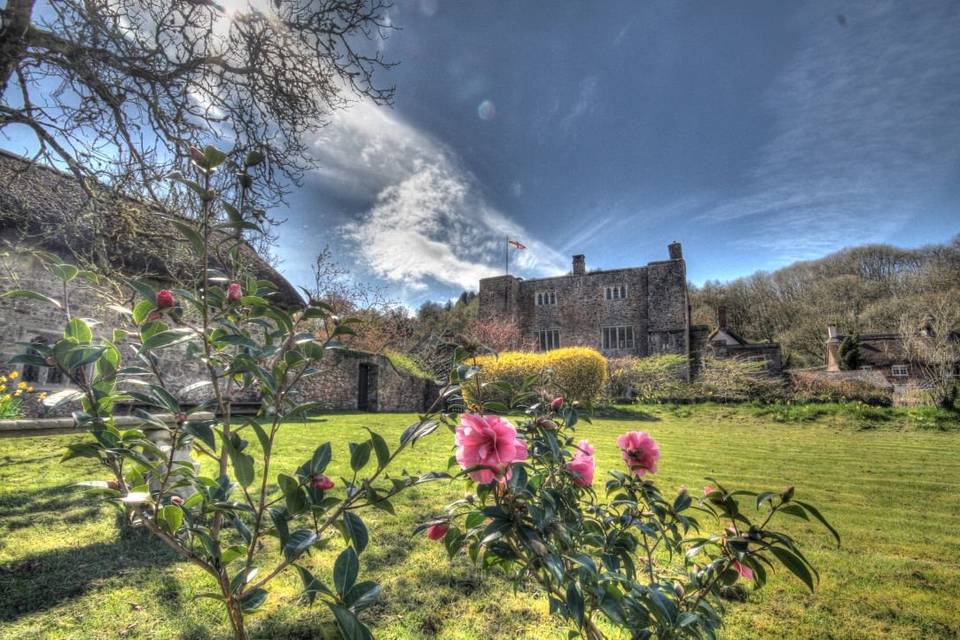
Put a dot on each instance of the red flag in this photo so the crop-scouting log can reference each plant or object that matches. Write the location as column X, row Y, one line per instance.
column 517, row 244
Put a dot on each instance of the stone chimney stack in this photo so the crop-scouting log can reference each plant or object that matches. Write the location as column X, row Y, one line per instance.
column 721, row 317
column 833, row 348
column 676, row 251
column 579, row 265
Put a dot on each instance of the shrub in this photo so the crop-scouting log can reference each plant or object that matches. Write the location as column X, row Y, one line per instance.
column 13, row 393
column 406, row 364
column 578, row 373
column 649, row 565
column 738, row 379
column 812, row 386
column 650, row 379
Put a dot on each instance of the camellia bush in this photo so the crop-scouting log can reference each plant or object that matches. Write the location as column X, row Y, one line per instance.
column 634, row 559
column 244, row 344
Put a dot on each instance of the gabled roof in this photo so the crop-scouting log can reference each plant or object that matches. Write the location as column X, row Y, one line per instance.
column 49, row 209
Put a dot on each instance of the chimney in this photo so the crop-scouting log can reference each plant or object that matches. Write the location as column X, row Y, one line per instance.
column 721, row 317
column 676, row 251
column 579, row 265
column 833, row 348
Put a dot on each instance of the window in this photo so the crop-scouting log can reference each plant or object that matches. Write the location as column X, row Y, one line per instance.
column 618, row 337
column 546, row 297
column 31, row 372
column 616, row 292
column 900, row 370
column 548, row 339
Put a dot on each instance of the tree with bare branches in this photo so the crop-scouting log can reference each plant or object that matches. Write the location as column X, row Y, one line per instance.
column 933, row 346
column 119, row 90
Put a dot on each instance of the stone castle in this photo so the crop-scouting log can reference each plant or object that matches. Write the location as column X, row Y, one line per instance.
column 636, row 311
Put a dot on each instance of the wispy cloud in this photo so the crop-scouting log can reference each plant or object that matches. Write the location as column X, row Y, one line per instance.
column 867, row 126
column 427, row 221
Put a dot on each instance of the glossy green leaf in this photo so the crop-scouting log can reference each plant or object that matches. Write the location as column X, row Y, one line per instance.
column 345, row 570
column 32, row 295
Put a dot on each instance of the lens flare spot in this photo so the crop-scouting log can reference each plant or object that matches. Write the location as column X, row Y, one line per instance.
column 487, row 110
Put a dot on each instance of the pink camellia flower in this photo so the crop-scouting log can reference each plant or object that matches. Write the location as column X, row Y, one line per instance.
column 557, row 403
column 640, row 452
column 584, row 448
column 321, row 482
column 744, row 571
column 437, row 531
column 489, row 441
column 707, row 490
column 234, row 292
column 165, row 299
column 583, row 466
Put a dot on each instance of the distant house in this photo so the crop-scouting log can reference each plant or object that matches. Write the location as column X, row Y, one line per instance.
column 883, row 362
column 724, row 342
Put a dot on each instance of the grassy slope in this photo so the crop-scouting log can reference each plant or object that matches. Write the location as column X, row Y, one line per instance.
column 67, row 572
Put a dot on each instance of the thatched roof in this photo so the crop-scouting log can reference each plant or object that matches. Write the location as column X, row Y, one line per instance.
column 49, row 209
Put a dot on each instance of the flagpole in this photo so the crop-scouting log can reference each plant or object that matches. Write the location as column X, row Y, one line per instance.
column 506, row 254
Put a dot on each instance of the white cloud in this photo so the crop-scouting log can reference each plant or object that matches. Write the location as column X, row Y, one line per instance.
column 428, row 221
column 867, row 128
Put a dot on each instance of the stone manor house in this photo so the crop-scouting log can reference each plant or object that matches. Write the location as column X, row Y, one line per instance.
column 638, row 311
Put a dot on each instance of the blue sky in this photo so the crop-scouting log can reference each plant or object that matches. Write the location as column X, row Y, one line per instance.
column 755, row 133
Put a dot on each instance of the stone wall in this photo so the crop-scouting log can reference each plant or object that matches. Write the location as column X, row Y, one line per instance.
column 337, row 386
column 655, row 306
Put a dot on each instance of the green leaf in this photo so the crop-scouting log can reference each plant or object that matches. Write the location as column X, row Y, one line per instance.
column 190, row 233
column 252, row 600
column 816, row 514
column 362, row 595
column 293, row 493
column 345, row 570
column 359, row 455
column 78, row 330
column 213, row 156
column 349, row 626
column 33, row 295
column 171, row 517
column 796, row 566
column 142, row 309
column 575, row 603
column 298, row 542
column 380, row 448
column 254, row 158
column 261, row 436
column 81, row 356
column 166, row 338
column 356, row 531
column 66, row 272
column 311, row 585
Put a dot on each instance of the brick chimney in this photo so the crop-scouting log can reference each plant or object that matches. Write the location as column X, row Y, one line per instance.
column 676, row 251
column 721, row 317
column 833, row 348
column 579, row 264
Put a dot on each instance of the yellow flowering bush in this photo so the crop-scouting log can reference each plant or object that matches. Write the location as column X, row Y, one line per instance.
column 12, row 394
column 579, row 373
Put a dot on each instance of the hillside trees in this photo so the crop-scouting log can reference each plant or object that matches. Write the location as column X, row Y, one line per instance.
column 862, row 290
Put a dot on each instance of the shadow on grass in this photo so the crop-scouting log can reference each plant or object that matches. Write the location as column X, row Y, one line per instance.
column 41, row 581
column 624, row 412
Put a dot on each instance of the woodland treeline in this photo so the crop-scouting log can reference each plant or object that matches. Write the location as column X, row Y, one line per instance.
column 861, row 289
column 866, row 289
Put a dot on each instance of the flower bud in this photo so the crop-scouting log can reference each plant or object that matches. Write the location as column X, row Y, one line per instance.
column 538, row 547
column 547, row 425
column 234, row 292
column 181, row 417
column 165, row 299
column 113, row 484
column 787, row 494
column 437, row 531
column 50, row 361
column 321, row 482
column 198, row 158
column 177, row 500
column 469, row 497
column 557, row 403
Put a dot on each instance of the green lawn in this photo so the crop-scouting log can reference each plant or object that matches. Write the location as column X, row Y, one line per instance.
column 893, row 491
